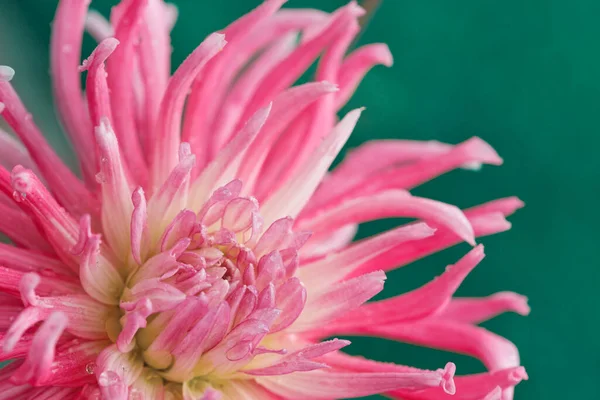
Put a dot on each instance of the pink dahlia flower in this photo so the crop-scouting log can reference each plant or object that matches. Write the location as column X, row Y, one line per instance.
column 206, row 253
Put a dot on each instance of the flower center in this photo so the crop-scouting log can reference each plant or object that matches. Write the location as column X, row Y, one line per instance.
column 198, row 306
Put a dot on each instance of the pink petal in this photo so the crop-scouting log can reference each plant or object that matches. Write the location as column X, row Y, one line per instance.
column 323, row 111
column 471, row 387
column 59, row 227
column 290, row 299
column 139, row 226
column 392, row 203
column 478, row 310
column 154, row 55
column 36, row 367
column 120, row 67
column 494, row 351
column 356, row 65
column 164, row 154
column 327, row 385
column 96, row 85
column 67, row 36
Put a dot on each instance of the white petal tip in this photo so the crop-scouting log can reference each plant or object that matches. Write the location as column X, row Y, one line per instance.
column 6, row 73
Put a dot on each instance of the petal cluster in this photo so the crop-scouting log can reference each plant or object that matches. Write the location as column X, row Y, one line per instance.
column 206, row 252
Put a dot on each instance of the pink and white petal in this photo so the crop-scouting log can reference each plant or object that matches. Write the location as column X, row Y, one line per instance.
column 494, row 351
column 116, row 191
column 74, row 363
column 60, row 228
column 340, row 298
column 300, row 360
column 139, row 227
column 37, row 365
column 400, row 256
column 328, row 385
column 318, row 246
column 303, row 184
column 223, row 168
column 478, row 310
column 171, row 197
column 98, row 275
column 472, row 387
column 388, row 204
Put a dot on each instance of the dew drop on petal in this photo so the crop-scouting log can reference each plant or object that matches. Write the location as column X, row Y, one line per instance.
column 90, row 368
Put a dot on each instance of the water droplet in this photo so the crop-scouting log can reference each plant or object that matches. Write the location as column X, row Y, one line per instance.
column 67, row 48
column 90, row 368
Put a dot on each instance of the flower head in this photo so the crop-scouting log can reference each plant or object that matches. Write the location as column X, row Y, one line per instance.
column 206, row 253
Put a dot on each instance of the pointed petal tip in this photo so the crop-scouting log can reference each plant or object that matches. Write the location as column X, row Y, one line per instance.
column 387, row 58
column 518, row 375
column 6, row 73
column 329, row 86
column 482, row 151
column 516, row 203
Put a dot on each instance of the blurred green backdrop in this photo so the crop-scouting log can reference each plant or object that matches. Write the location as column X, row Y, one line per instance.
column 523, row 75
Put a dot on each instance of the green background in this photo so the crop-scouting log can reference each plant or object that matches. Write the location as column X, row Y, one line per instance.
column 523, row 75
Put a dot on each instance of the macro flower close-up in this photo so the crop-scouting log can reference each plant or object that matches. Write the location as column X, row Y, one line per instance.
column 203, row 248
